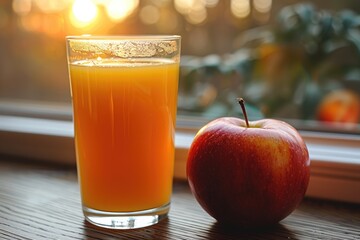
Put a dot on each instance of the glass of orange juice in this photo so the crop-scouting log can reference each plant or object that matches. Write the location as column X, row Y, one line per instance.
column 124, row 96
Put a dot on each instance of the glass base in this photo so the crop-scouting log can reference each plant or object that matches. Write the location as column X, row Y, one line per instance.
column 126, row 220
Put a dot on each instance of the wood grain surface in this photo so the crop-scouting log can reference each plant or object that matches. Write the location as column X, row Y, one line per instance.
column 38, row 201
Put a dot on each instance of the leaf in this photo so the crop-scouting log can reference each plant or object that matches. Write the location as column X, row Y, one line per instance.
column 348, row 19
column 326, row 25
column 217, row 109
column 211, row 63
column 312, row 97
column 353, row 75
column 354, row 37
column 305, row 12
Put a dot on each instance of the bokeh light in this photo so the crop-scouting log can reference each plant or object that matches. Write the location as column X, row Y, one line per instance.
column 240, row 8
column 194, row 10
column 83, row 13
column 160, row 3
column 197, row 14
column 169, row 22
column 52, row 6
column 149, row 14
column 118, row 10
column 262, row 6
column 183, row 6
column 211, row 3
column 92, row 16
column 21, row 7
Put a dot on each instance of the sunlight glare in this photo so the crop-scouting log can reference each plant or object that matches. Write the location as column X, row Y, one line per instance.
column 118, row 10
column 84, row 12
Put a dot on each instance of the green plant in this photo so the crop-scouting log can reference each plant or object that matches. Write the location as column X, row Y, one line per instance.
column 283, row 71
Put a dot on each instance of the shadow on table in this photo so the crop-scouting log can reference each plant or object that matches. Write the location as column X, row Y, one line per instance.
column 278, row 231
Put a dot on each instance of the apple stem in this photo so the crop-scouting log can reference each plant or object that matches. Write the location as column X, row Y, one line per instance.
column 242, row 104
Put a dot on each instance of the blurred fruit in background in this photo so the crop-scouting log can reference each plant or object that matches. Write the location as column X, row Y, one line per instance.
column 339, row 106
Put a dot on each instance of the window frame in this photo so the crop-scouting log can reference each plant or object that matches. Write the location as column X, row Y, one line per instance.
column 44, row 132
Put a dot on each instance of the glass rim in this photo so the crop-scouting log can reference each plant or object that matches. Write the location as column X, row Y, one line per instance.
column 124, row 37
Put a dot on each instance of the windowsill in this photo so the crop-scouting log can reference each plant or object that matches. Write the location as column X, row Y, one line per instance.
column 335, row 158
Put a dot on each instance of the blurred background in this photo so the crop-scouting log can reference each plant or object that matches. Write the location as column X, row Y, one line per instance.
column 292, row 60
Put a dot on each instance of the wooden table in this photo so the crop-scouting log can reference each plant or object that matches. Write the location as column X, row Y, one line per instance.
column 39, row 201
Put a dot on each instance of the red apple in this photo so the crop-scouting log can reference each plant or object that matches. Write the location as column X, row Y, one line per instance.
column 248, row 174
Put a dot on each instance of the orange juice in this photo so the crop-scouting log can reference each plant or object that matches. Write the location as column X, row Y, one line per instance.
column 124, row 116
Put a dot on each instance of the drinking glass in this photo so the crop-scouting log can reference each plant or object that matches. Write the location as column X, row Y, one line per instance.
column 124, row 96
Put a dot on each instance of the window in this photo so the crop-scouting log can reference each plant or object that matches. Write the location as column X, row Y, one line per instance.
column 290, row 60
